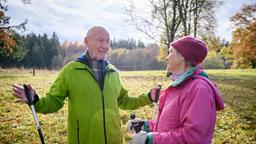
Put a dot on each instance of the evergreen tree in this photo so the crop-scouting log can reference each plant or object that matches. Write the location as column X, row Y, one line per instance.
column 140, row 44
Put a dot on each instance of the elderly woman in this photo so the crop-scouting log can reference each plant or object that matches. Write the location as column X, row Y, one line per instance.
column 187, row 108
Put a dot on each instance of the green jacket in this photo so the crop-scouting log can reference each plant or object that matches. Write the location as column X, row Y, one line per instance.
column 93, row 115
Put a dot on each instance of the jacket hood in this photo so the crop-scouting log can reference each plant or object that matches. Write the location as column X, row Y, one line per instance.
column 218, row 99
column 198, row 72
column 217, row 96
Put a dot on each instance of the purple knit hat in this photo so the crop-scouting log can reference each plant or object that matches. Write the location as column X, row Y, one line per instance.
column 192, row 49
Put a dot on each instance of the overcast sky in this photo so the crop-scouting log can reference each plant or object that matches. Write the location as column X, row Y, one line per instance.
column 70, row 19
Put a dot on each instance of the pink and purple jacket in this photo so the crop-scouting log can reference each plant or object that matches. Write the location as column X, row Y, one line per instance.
column 187, row 112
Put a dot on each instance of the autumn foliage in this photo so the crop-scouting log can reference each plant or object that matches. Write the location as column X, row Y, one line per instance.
column 6, row 39
column 244, row 37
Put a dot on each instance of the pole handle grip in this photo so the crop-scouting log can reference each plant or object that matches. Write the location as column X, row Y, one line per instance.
column 28, row 95
column 157, row 94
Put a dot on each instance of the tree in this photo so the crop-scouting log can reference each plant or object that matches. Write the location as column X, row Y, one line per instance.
column 227, row 54
column 126, row 43
column 171, row 19
column 213, row 61
column 140, row 44
column 7, row 42
column 42, row 51
column 213, row 43
column 19, row 51
column 135, row 59
column 214, row 58
column 163, row 52
column 244, row 37
column 164, row 19
column 70, row 51
column 57, row 61
column 37, row 56
column 197, row 16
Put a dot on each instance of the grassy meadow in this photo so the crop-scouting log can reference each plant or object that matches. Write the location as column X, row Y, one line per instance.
column 236, row 124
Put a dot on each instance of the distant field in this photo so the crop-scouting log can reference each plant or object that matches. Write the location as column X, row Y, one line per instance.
column 236, row 124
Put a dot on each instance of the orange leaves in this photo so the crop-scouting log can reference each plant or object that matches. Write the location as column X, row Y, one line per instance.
column 244, row 44
column 7, row 41
column 246, row 16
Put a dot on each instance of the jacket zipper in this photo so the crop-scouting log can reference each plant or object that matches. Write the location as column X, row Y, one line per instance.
column 103, row 112
column 103, row 104
column 104, row 118
column 78, row 140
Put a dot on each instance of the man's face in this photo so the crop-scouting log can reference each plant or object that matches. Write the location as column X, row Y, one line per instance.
column 98, row 44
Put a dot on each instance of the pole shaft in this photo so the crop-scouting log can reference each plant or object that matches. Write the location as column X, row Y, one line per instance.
column 37, row 124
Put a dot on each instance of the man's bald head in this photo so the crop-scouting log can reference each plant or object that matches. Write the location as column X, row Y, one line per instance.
column 95, row 30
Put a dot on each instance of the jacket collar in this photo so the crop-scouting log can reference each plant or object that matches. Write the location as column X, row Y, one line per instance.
column 197, row 70
column 86, row 60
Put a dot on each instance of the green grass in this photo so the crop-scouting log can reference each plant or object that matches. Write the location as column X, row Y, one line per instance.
column 236, row 124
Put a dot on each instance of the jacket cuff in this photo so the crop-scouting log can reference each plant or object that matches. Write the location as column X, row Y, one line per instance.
column 149, row 139
column 149, row 96
column 146, row 126
column 36, row 99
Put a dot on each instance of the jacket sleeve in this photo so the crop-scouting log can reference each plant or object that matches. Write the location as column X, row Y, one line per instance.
column 198, row 115
column 132, row 102
column 54, row 99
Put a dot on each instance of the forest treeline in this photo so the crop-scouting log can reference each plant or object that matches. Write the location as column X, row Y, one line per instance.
column 181, row 18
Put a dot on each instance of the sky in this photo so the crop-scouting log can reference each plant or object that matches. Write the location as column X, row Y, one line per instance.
column 71, row 19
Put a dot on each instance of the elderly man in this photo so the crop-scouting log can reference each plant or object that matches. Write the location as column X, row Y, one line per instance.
column 94, row 93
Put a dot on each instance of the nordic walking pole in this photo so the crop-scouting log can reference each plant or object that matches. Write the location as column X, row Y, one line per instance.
column 31, row 105
column 155, row 101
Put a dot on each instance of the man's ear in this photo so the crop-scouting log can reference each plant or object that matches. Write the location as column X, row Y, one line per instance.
column 85, row 41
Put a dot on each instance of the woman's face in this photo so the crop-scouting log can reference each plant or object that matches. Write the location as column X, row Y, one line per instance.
column 175, row 61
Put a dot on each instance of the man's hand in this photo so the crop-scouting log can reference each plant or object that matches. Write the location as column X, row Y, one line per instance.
column 135, row 125
column 19, row 92
column 139, row 138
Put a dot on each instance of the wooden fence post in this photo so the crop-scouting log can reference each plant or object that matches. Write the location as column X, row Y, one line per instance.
column 34, row 71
